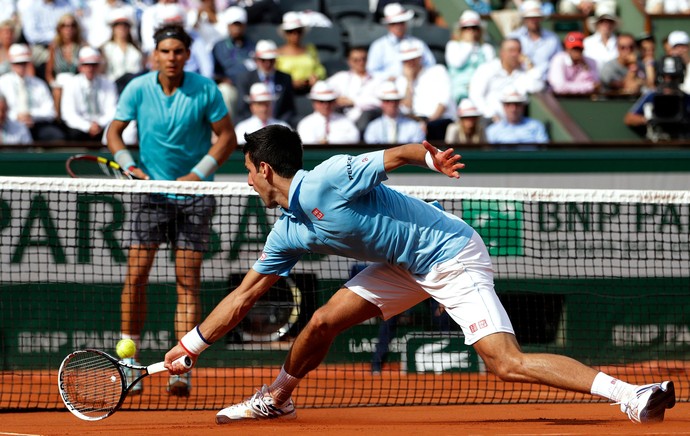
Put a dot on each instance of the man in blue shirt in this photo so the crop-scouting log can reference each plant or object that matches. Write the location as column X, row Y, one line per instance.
column 383, row 60
column 175, row 112
column 515, row 127
column 417, row 251
column 538, row 44
column 391, row 127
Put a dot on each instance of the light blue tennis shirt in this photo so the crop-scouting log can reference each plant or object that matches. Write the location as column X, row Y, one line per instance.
column 341, row 208
column 174, row 130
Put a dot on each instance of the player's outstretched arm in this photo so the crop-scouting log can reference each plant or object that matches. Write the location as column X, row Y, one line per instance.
column 423, row 155
column 226, row 315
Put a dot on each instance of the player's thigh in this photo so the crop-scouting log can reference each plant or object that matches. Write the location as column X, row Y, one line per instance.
column 193, row 230
column 149, row 222
column 390, row 288
column 465, row 286
column 344, row 310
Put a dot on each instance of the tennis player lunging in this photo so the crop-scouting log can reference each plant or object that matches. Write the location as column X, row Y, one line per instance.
column 176, row 113
column 341, row 208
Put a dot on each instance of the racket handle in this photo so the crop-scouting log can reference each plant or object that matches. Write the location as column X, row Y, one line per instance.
column 185, row 361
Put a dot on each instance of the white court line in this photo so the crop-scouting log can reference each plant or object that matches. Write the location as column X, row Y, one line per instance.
column 18, row 434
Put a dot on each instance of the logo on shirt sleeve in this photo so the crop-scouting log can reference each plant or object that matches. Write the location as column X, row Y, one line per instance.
column 317, row 213
column 263, row 256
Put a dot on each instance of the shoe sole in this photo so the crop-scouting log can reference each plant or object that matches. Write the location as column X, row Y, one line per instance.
column 662, row 399
column 222, row 419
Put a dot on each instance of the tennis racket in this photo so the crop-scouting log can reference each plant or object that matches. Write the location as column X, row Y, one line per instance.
column 93, row 384
column 85, row 166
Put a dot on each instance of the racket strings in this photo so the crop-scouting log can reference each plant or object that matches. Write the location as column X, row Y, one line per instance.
column 92, row 384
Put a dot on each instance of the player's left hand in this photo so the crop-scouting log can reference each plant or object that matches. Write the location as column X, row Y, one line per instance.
column 446, row 161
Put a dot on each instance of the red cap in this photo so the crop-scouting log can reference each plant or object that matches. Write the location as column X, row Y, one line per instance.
column 574, row 40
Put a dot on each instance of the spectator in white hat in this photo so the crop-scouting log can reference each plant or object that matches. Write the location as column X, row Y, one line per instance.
column 356, row 89
column 260, row 100
column 466, row 53
column 677, row 42
column 392, row 127
column 491, row 78
column 384, row 61
column 602, row 44
column 99, row 17
column 29, row 98
column 88, row 99
column 278, row 82
column 469, row 128
column 538, row 44
column 515, row 127
column 325, row 125
column 426, row 91
column 232, row 56
column 301, row 61
column 122, row 57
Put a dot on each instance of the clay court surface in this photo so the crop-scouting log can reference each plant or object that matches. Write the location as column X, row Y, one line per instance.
column 534, row 419
column 549, row 415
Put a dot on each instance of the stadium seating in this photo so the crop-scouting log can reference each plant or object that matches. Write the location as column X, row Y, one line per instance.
column 328, row 42
column 435, row 37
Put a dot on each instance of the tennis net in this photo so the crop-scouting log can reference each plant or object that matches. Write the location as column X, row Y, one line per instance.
column 601, row 276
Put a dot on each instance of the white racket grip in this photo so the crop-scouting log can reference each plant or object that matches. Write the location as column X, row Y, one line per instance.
column 185, row 361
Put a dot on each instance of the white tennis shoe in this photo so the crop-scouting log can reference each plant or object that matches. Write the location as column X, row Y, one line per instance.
column 258, row 406
column 649, row 403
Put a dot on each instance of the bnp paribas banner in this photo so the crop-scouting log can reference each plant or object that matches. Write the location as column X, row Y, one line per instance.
column 603, row 276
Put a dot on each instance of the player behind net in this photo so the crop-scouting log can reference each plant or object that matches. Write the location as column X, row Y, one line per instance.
column 342, row 208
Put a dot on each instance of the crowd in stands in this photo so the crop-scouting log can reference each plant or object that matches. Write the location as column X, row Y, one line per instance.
column 63, row 64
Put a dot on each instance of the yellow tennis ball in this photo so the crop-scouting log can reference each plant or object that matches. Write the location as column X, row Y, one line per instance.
column 126, row 348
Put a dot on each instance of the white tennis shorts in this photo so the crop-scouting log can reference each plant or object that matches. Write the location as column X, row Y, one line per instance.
column 464, row 285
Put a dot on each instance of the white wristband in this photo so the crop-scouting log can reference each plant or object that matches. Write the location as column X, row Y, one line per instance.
column 124, row 159
column 193, row 342
column 430, row 162
column 206, row 166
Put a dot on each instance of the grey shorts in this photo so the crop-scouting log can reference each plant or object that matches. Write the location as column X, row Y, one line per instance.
column 184, row 222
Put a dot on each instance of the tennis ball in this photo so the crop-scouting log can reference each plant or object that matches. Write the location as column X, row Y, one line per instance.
column 126, row 348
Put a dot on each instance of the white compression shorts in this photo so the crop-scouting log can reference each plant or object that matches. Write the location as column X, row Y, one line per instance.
column 464, row 285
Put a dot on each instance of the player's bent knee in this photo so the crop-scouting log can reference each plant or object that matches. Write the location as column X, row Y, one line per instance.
column 506, row 367
column 321, row 324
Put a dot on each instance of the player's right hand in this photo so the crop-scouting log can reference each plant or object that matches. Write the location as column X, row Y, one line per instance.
column 175, row 353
